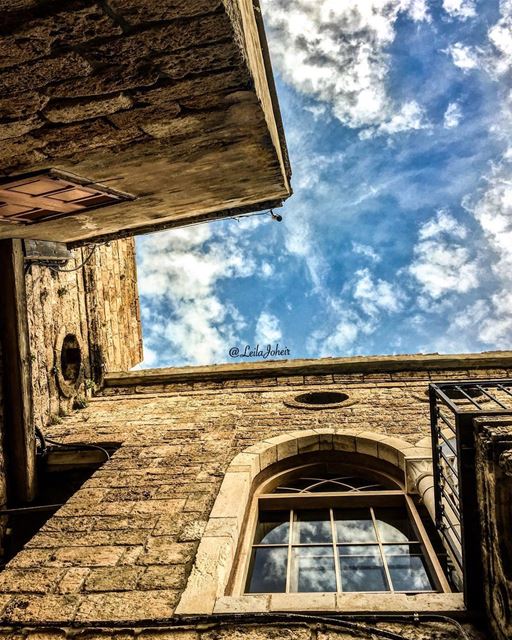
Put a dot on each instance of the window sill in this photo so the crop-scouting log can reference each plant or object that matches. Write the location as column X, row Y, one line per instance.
column 345, row 603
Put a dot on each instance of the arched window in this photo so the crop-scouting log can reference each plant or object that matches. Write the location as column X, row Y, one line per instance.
column 332, row 527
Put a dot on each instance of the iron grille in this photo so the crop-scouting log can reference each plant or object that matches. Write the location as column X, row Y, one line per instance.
column 453, row 409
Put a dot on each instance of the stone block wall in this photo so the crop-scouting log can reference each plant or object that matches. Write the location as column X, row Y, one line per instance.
column 99, row 304
column 121, row 550
column 284, row 629
column 3, row 489
column 113, row 308
column 494, row 486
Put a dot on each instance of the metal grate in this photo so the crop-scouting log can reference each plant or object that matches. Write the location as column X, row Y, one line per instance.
column 453, row 408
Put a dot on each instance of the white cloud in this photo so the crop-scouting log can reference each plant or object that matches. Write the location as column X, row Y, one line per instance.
column 463, row 56
column 179, row 271
column 341, row 340
column 366, row 251
column 500, row 36
column 442, row 223
column 376, row 296
column 493, row 211
column 462, row 9
column 496, row 57
column 267, row 270
column 336, row 52
column 318, row 111
column 452, row 115
column 268, row 329
column 410, row 117
column 441, row 264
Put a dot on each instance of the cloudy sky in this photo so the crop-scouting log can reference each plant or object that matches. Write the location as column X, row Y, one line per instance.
column 398, row 238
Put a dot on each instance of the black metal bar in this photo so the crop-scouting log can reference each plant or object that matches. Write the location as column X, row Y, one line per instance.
column 441, row 454
column 448, row 444
column 446, row 400
column 447, row 422
column 504, row 406
column 449, row 483
column 468, row 397
column 453, row 527
column 452, row 504
column 435, row 452
column 454, row 549
column 500, row 386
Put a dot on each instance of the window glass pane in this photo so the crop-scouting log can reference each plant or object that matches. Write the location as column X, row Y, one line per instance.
column 267, row 573
column 312, row 525
column 359, row 550
column 313, row 569
column 362, row 569
column 273, row 527
column 354, row 525
column 394, row 525
column 408, row 572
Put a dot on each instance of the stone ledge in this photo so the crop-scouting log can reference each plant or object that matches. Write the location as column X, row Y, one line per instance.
column 360, row 364
column 342, row 603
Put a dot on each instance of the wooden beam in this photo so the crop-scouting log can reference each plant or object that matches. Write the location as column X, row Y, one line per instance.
column 65, row 460
column 38, row 202
column 19, row 436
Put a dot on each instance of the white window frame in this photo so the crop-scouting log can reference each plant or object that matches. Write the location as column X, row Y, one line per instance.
column 264, row 498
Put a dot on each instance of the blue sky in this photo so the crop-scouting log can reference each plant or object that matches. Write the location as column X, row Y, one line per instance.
column 398, row 238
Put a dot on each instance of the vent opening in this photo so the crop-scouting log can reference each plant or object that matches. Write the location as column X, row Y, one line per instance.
column 319, row 400
column 321, row 397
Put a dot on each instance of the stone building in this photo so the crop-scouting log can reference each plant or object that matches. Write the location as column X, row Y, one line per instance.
column 306, row 500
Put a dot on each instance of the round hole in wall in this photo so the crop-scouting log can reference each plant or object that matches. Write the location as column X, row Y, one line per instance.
column 319, row 400
column 455, row 394
column 70, row 358
column 321, row 397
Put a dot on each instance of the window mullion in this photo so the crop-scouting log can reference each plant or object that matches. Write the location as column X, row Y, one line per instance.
column 335, row 548
column 381, row 550
column 289, row 562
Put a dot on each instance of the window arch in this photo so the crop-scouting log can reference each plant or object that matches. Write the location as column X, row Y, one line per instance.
column 331, row 527
column 216, row 583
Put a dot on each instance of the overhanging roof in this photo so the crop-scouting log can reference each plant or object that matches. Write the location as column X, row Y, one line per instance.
column 169, row 101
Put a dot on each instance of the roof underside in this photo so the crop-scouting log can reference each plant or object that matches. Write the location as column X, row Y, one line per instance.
column 168, row 101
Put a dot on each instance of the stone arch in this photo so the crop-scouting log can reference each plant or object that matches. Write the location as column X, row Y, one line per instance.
column 216, row 552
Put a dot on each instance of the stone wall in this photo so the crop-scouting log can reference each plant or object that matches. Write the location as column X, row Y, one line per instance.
column 285, row 629
column 121, row 549
column 113, row 308
column 494, row 486
column 99, row 304
column 3, row 488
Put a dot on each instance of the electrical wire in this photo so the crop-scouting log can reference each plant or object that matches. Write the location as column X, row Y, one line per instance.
column 77, row 446
column 83, row 263
column 42, row 439
column 358, row 624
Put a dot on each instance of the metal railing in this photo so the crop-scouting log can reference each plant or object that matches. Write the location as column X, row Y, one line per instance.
column 453, row 408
